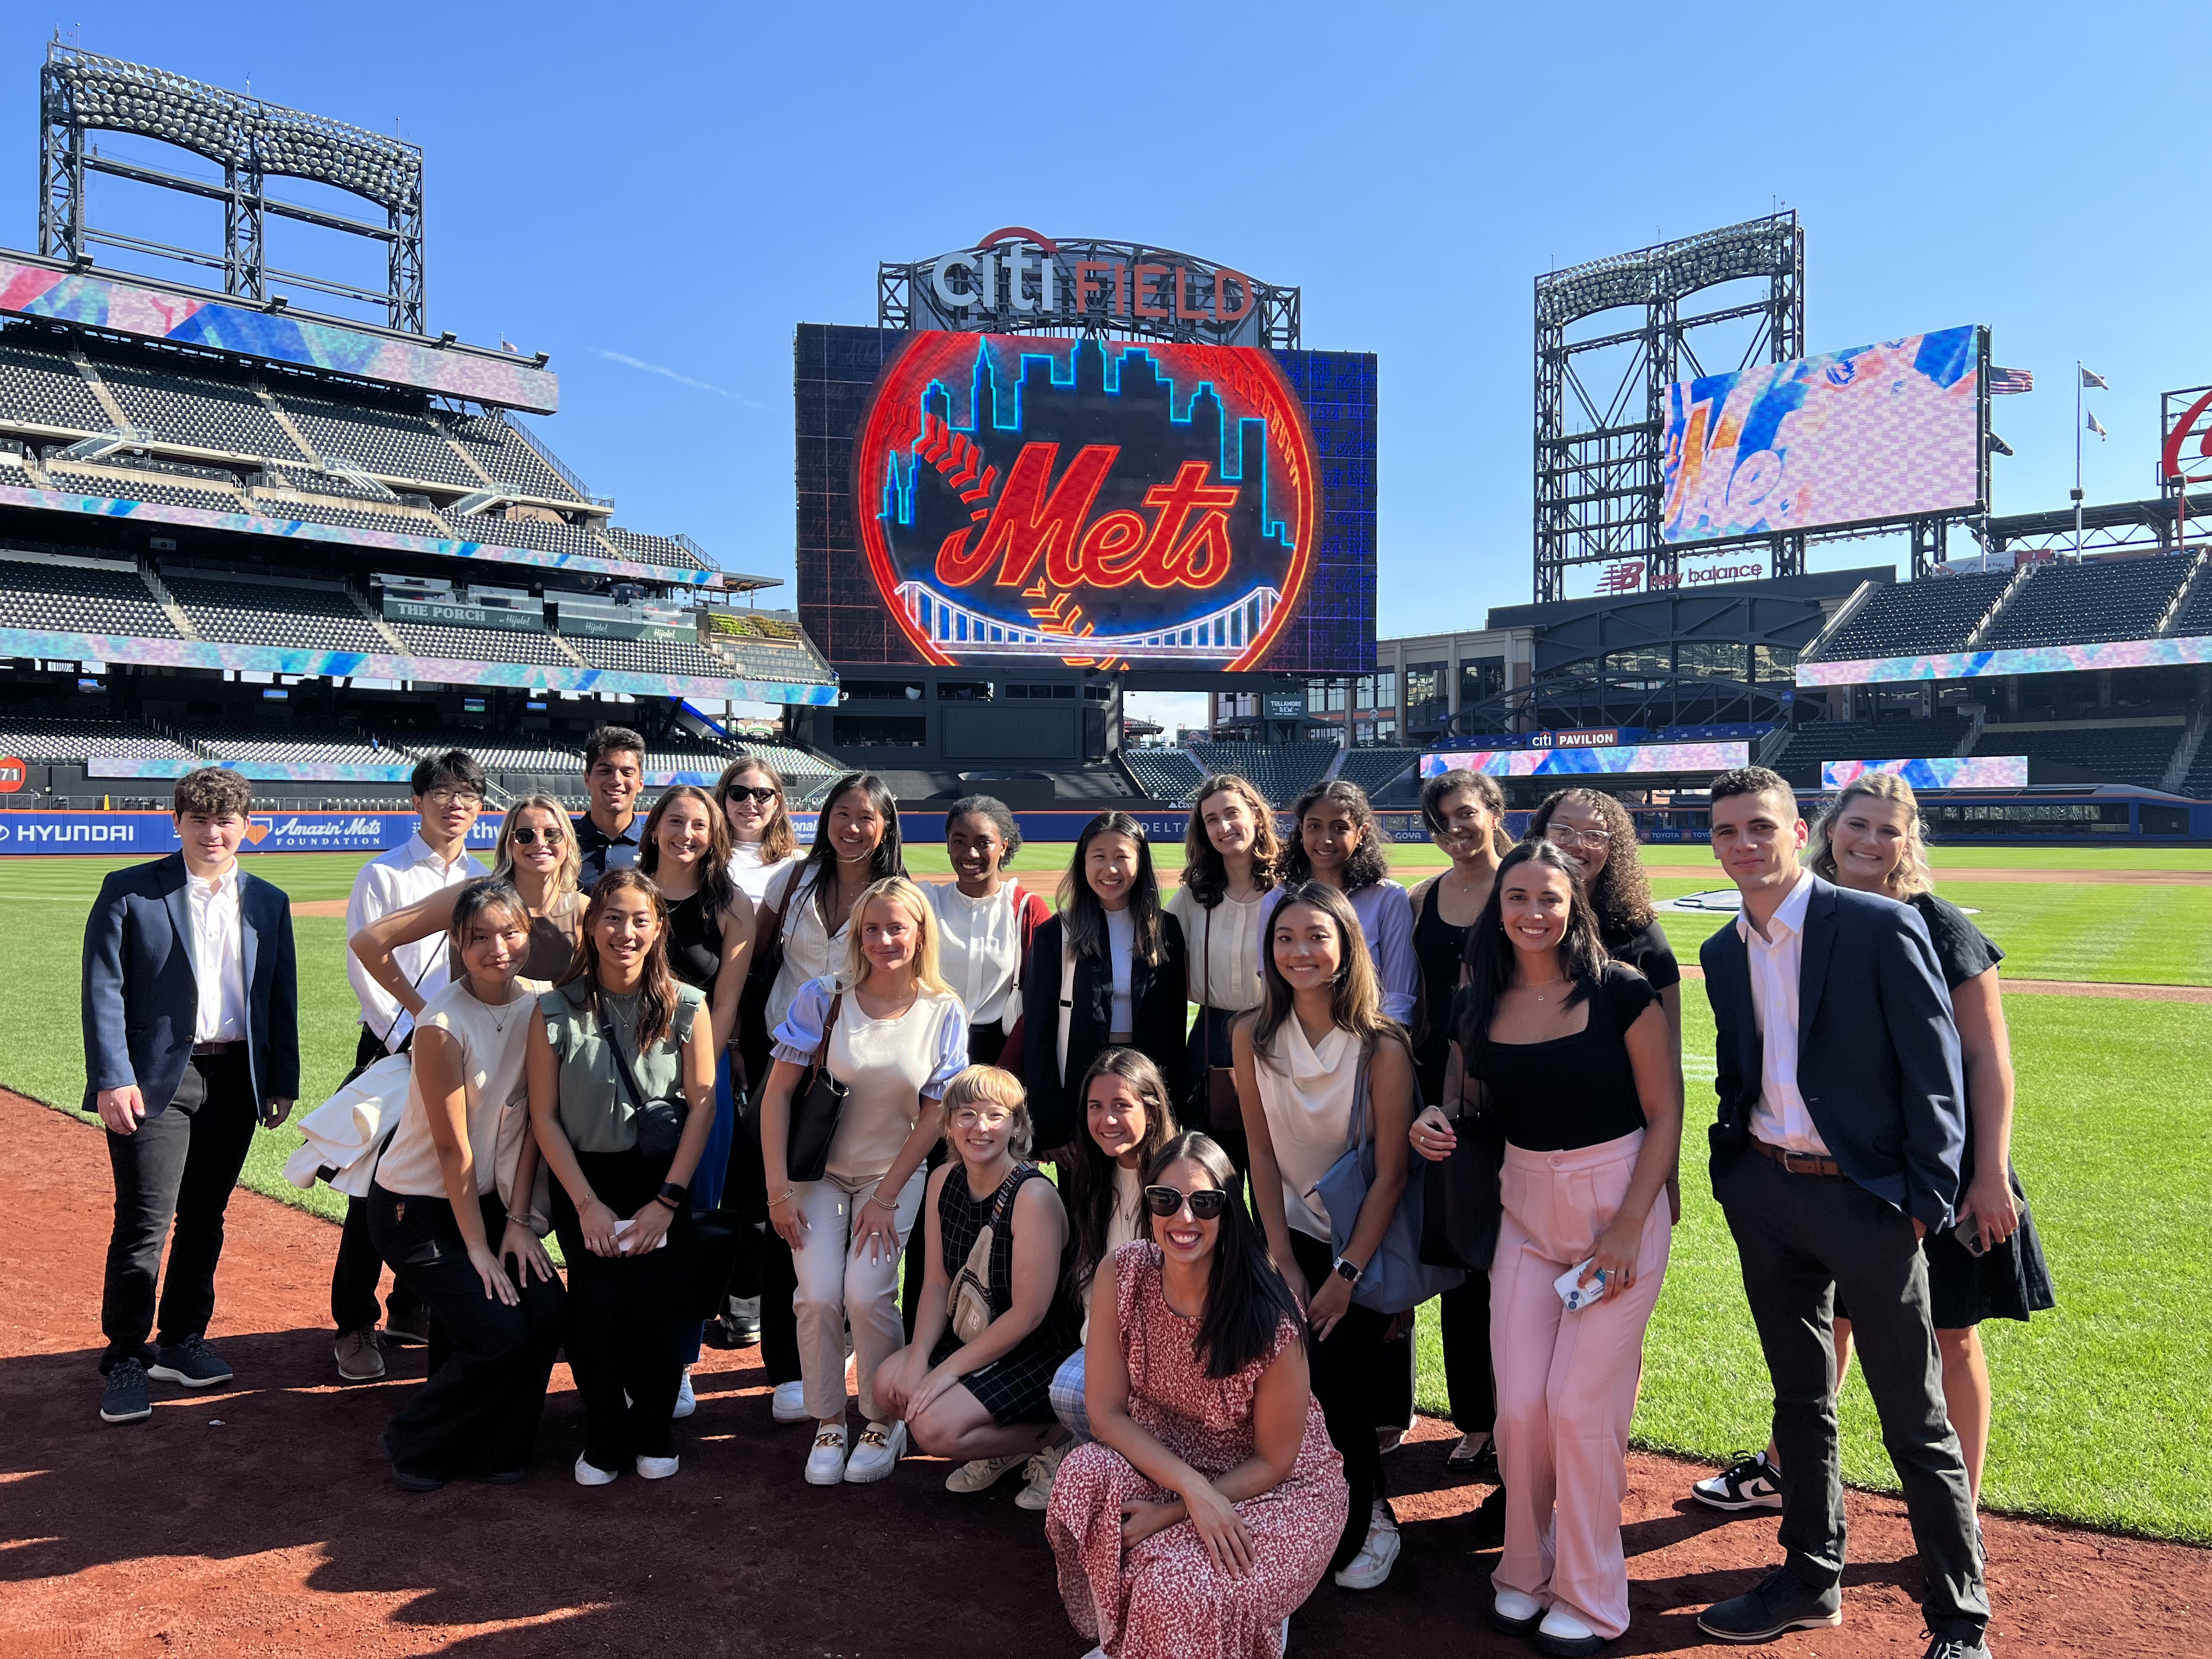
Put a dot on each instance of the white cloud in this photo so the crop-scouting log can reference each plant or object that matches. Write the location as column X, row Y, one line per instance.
column 666, row 373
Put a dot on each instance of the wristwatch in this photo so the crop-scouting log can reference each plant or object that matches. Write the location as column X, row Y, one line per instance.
column 1347, row 1271
column 673, row 1196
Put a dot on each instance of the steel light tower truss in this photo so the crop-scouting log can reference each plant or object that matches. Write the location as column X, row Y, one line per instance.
column 1598, row 448
column 251, row 140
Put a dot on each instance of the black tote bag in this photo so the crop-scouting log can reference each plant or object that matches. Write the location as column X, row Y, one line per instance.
column 1462, row 1206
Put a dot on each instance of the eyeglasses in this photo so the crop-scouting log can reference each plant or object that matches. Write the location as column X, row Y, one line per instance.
column 1206, row 1204
column 760, row 793
column 454, row 797
column 983, row 1117
column 526, row 836
column 1562, row 835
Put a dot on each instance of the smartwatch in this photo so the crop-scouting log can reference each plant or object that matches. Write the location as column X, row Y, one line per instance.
column 673, row 1196
column 1347, row 1271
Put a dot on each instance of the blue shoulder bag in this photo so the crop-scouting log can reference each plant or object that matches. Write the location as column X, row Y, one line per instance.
column 1396, row 1279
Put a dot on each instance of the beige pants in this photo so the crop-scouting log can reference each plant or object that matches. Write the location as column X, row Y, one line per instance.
column 836, row 1287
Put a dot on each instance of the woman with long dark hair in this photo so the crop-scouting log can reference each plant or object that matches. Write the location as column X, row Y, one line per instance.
column 612, row 1048
column 1302, row 1060
column 1465, row 812
column 451, row 1211
column 750, row 795
column 686, row 852
column 1338, row 843
column 1204, row 1514
column 1108, row 970
column 1229, row 853
column 1569, row 1055
column 1595, row 830
column 803, row 926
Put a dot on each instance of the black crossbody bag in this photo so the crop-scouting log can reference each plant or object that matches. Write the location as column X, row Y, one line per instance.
column 658, row 1122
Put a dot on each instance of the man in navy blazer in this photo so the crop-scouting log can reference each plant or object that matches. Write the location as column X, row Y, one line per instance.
column 190, row 1037
column 1841, row 1129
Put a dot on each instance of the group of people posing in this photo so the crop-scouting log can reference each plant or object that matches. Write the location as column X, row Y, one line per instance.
column 676, row 1037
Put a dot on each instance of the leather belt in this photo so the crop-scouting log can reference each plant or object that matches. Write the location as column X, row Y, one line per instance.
column 1810, row 1164
column 217, row 1047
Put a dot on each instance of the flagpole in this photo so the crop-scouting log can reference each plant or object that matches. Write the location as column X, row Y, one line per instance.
column 2078, row 384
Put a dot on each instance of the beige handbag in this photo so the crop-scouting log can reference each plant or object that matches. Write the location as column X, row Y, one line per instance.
column 969, row 1300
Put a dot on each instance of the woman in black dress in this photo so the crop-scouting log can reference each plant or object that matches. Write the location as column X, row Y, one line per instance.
column 1870, row 840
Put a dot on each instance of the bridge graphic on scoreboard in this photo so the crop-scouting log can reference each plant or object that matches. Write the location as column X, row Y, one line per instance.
column 1063, row 629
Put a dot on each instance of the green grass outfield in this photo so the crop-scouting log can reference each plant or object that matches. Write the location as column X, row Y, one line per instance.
column 2102, row 1412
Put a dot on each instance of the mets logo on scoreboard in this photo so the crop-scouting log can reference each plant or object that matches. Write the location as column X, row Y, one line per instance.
column 1097, row 502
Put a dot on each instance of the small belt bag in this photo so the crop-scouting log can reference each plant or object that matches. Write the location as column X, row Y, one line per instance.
column 969, row 1298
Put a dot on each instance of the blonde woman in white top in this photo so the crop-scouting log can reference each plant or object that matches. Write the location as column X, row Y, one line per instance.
column 1229, row 853
column 1299, row 1060
column 451, row 1210
column 897, row 1036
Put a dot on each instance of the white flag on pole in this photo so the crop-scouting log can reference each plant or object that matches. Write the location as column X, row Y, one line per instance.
column 2090, row 377
column 2093, row 425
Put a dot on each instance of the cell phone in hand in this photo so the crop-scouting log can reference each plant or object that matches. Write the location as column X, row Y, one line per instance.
column 1573, row 1292
column 1969, row 1232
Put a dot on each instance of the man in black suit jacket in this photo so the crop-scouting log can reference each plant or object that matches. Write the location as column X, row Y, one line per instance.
column 1841, row 1129
column 190, row 1037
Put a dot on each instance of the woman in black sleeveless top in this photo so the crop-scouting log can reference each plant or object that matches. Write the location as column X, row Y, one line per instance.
column 686, row 852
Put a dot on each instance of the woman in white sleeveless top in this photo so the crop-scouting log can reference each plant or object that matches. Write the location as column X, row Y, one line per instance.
column 453, row 1210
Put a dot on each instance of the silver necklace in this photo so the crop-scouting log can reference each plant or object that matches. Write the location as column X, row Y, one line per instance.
column 1562, row 980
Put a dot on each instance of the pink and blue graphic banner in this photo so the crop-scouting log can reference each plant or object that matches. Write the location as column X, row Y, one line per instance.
column 254, row 524
column 1856, row 436
column 42, row 290
column 1944, row 772
column 2029, row 659
column 438, row 671
column 1571, row 763
column 138, row 766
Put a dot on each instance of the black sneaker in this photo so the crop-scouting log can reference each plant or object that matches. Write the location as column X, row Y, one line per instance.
column 123, row 1399
column 407, row 1480
column 1777, row 1603
column 190, row 1362
column 1480, row 1465
column 1956, row 1647
column 1749, row 1483
column 408, row 1330
column 1489, row 1522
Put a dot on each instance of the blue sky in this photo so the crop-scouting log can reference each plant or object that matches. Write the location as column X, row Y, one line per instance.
column 657, row 198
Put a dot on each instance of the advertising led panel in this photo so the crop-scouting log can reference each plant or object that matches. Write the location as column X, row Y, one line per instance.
column 1557, row 762
column 1862, row 436
column 980, row 499
column 2021, row 659
column 1944, row 772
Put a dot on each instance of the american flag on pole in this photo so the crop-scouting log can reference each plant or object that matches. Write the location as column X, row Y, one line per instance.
column 2005, row 381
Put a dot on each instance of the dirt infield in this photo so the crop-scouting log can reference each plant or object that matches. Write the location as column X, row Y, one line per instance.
column 261, row 1519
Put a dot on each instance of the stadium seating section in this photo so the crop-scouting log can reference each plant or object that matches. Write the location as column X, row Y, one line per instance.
column 1826, row 740
column 45, row 389
column 1911, row 619
column 1373, row 768
column 2194, row 618
column 482, row 644
column 261, row 743
column 1168, row 775
column 2081, row 604
column 198, row 410
column 389, row 442
column 398, row 522
column 649, row 657
column 534, row 756
column 2113, row 754
column 208, row 497
column 76, row 599
column 243, row 611
column 496, row 445
column 530, row 532
column 33, row 737
column 1282, row 772
column 651, row 549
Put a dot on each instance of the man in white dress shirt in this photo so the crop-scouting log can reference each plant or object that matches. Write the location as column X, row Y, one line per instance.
column 190, row 1037
column 449, row 792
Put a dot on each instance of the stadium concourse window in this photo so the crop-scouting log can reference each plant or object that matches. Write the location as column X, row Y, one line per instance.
column 1378, row 690
column 881, row 731
column 1648, row 659
column 1481, row 677
column 1325, row 697
column 1426, row 704
column 963, row 690
column 1039, row 693
column 880, row 691
column 1774, row 662
column 2031, row 818
column 1712, row 660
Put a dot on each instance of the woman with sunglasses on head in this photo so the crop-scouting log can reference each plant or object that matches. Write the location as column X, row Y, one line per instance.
column 1990, row 1264
column 1204, row 1514
column 888, row 1030
column 1230, row 854
column 1108, row 972
column 710, row 938
column 803, row 932
column 536, row 854
column 1465, row 812
column 451, row 1211
column 1303, row 1060
column 974, row 1383
column 749, row 793
column 614, row 1048
column 1569, row 1056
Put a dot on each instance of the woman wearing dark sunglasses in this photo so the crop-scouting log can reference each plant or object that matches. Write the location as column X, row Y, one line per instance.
column 536, row 854
column 750, row 795
column 1205, row 1512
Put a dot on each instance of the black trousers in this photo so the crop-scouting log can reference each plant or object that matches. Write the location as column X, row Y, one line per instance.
column 179, row 1166
column 1464, row 1315
column 478, row 1412
column 359, row 1268
column 765, row 1271
column 1801, row 1239
column 623, row 1335
column 1350, row 1378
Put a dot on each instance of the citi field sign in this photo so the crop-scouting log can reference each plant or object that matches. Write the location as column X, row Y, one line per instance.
column 1098, row 502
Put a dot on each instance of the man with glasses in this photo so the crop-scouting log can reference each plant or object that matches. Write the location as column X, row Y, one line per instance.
column 614, row 773
column 449, row 792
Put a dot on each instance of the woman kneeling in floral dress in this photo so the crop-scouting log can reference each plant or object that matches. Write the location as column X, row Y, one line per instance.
column 1206, row 1510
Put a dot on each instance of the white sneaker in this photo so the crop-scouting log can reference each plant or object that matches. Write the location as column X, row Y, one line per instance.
column 1514, row 1614
column 1043, row 1467
column 825, row 1464
column 878, row 1454
column 1563, row 1634
column 657, row 1468
column 1389, row 1440
column 1371, row 1568
column 983, row 1473
column 686, row 1402
column 589, row 1475
column 790, row 1403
